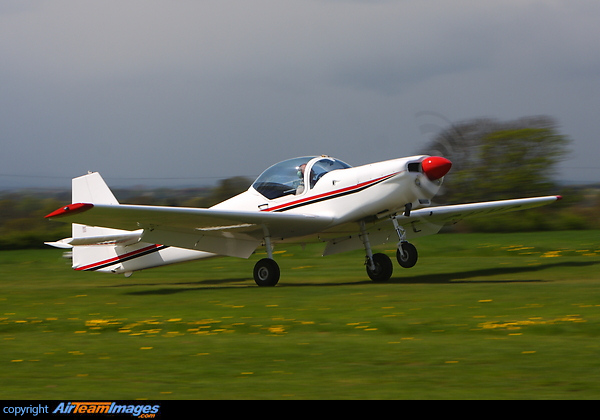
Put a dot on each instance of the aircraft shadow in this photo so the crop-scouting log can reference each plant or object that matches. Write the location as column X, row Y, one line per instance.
column 457, row 277
column 463, row 276
column 191, row 286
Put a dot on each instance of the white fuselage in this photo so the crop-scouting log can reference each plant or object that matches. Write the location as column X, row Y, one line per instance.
column 323, row 187
column 349, row 194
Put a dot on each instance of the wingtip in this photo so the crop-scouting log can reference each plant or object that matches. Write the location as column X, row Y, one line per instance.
column 69, row 210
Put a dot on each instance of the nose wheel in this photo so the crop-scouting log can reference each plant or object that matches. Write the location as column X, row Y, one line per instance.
column 406, row 254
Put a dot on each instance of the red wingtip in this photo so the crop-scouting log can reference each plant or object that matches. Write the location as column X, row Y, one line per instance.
column 70, row 210
column 435, row 167
column 558, row 197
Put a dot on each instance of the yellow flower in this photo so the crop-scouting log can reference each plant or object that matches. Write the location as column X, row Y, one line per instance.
column 277, row 329
column 551, row 254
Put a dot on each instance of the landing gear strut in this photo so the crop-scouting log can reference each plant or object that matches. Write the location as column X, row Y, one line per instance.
column 266, row 271
column 379, row 266
column 406, row 254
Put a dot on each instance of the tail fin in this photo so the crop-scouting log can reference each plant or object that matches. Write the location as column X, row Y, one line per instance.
column 91, row 188
column 113, row 250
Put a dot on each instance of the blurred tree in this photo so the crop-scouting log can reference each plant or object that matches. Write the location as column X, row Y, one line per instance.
column 495, row 160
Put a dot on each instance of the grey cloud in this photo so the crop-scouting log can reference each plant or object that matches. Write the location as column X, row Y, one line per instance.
column 227, row 87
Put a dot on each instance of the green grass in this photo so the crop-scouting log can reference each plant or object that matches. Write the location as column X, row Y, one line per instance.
column 481, row 316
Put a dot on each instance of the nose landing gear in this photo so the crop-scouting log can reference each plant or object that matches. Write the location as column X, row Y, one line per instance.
column 406, row 254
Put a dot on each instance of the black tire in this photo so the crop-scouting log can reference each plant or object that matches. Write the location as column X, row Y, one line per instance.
column 266, row 273
column 409, row 259
column 383, row 268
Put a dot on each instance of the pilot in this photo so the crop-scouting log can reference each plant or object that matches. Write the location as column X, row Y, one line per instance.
column 300, row 187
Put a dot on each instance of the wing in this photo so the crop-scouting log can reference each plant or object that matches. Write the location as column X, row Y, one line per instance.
column 223, row 232
column 430, row 220
column 239, row 233
column 453, row 214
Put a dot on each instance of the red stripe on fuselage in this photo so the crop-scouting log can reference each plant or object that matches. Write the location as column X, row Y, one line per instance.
column 331, row 194
column 117, row 259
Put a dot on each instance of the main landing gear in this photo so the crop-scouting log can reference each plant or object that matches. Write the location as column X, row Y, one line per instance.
column 266, row 271
column 379, row 266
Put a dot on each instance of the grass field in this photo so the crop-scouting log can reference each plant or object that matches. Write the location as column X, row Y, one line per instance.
column 481, row 316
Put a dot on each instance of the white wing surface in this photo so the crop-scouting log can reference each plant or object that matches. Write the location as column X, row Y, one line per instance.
column 223, row 232
column 426, row 221
column 452, row 214
column 239, row 233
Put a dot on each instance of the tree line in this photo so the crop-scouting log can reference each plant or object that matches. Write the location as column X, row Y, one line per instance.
column 497, row 160
column 492, row 160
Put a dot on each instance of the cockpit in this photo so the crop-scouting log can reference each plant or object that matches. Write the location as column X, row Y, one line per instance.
column 295, row 176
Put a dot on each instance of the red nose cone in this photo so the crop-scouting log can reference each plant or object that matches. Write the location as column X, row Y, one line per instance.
column 435, row 167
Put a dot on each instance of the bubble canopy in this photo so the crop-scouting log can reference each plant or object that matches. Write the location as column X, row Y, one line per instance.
column 291, row 176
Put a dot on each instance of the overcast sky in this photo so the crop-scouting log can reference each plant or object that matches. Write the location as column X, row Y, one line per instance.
column 188, row 91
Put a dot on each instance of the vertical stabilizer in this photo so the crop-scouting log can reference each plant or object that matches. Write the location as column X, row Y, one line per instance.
column 91, row 188
column 107, row 250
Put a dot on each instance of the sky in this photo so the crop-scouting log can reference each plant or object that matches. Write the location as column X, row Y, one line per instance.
column 186, row 92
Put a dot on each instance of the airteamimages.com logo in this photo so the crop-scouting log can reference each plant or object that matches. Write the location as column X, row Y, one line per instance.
column 142, row 411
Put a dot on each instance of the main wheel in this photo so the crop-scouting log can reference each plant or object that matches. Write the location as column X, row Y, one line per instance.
column 266, row 272
column 408, row 257
column 383, row 268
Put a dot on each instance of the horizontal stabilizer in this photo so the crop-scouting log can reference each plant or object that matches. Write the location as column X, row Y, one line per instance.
column 118, row 239
column 122, row 239
column 62, row 244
